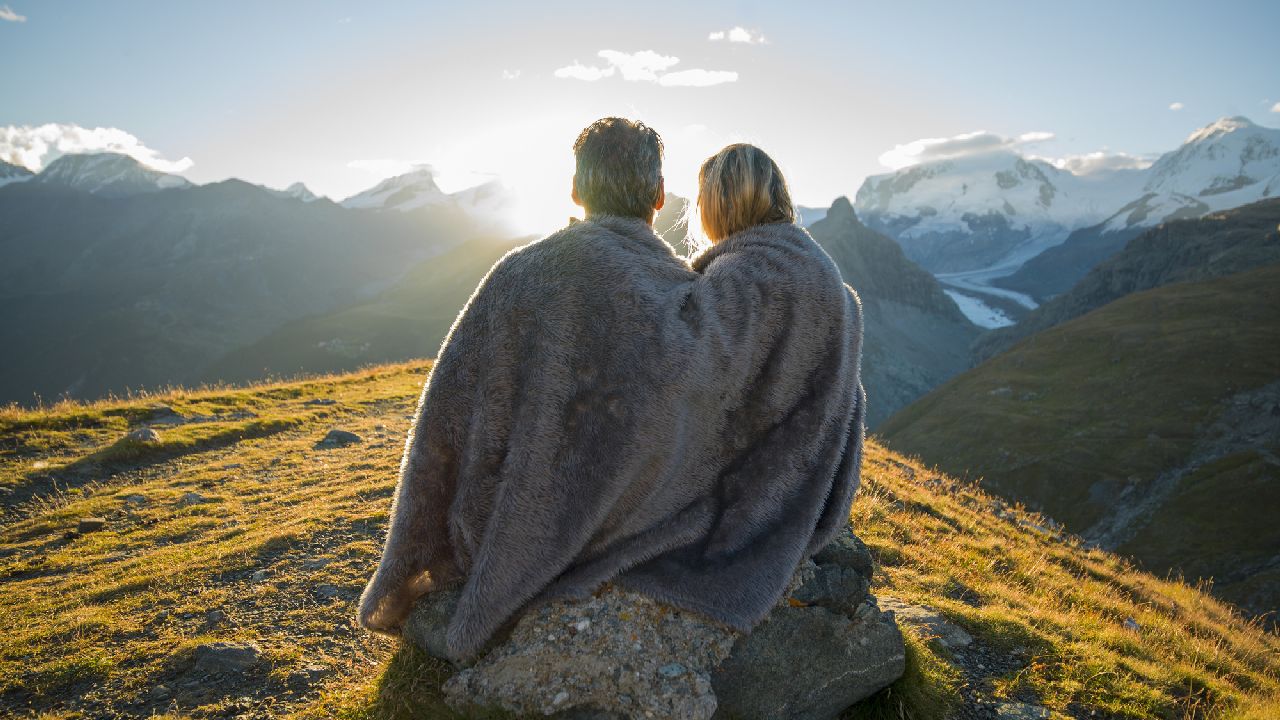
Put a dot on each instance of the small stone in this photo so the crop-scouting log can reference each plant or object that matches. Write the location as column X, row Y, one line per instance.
column 315, row 563
column 135, row 499
column 192, row 498
column 582, row 624
column 321, row 401
column 143, row 434
column 933, row 623
column 1131, row 624
column 671, row 670
column 91, row 524
column 215, row 617
column 560, row 698
column 336, row 438
column 260, row 575
column 227, row 656
column 160, row 691
column 1022, row 711
column 328, row 591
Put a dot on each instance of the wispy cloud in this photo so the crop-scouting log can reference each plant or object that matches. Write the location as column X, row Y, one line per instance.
column 738, row 34
column 35, row 146
column 1100, row 161
column 974, row 143
column 8, row 15
column 697, row 78
column 578, row 71
column 645, row 66
column 510, row 74
column 1176, row 106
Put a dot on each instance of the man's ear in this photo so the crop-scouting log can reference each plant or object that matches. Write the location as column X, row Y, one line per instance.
column 574, row 194
column 662, row 194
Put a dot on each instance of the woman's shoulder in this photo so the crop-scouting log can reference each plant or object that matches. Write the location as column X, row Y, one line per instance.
column 783, row 240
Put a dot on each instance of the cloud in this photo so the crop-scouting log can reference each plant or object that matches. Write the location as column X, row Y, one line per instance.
column 1275, row 108
column 35, row 146
column 974, row 143
column 510, row 74
column 1100, row 161
column 645, row 66
column 1176, row 106
column 578, row 71
column 697, row 78
column 738, row 34
column 8, row 15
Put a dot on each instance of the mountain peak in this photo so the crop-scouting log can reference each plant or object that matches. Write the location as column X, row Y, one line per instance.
column 108, row 174
column 414, row 189
column 842, row 209
column 1221, row 126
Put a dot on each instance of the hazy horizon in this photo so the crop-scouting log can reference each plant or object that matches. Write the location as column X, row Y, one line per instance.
column 339, row 97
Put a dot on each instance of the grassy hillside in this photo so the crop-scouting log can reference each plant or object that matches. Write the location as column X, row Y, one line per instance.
column 236, row 525
column 1150, row 425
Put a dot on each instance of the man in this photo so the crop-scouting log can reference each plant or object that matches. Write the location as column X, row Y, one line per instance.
column 602, row 412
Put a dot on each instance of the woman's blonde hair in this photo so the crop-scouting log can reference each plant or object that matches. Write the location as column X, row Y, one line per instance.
column 740, row 187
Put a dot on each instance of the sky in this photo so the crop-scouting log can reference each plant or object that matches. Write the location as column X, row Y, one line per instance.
column 340, row 95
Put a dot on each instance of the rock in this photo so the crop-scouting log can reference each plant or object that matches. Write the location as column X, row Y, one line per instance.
column 336, row 438
column 1129, row 624
column 636, row 658
column 328, row 591
column 135, row 499
column 315, row 563
column 1022, row 711
column 192, row 498
column 427, row 622
column 215, row 617
column 143, row 434
column 160, row 692
column 810, row 663
column 260, row 575
column 321, row 401
column 227, row 656
column 934, row 625
column 619, row 654
column 307, row 675
column 91, row 524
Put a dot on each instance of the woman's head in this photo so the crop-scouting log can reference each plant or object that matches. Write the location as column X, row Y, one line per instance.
column 740, row 187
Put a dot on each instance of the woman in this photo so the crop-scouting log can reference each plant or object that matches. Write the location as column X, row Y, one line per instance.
column 689, row 435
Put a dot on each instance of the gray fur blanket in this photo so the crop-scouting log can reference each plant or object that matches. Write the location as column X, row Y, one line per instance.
column 603, row 411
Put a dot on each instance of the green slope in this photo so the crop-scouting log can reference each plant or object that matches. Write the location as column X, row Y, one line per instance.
column 1146, row 425
column 409, row 320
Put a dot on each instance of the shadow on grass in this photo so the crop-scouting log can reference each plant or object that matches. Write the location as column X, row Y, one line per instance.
column 130, row 454
column 410, row 688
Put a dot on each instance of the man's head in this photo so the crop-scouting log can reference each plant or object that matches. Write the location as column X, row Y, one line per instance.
column 619, row 169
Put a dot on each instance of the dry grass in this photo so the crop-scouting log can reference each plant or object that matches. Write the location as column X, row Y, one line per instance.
column 95, row 623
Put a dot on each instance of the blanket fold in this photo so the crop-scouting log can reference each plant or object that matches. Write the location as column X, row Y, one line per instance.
column 603, row 411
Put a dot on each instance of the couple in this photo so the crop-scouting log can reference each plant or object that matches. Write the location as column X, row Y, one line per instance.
column 603, row 410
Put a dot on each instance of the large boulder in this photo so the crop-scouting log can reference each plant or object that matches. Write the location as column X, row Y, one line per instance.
column 618, row 654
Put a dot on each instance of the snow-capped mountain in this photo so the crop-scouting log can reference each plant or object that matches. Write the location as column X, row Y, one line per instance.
column 10, row 173
column 1000, row 209
column 298, row 191
column 414, row 189
column 107, row 174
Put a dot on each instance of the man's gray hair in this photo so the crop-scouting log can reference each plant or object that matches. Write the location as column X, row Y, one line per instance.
column 619, row 168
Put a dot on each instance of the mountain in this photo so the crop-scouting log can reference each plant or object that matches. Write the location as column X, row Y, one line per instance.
column 983, row 210
column 107, row 174
column 1180, row 251
column 671, row 223
column 1150, row 426
column 237, row 538
column 105, row 290
column 297, row 191
column 10, row 173
column 407, row 320
column 1229, row 163
column 915, row 336
column 410, row 191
